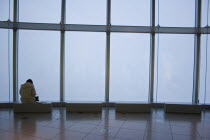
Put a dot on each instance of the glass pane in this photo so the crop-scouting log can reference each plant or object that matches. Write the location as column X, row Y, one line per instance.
column 86, row 12
column 41, row 11
column 130, row 12
column 6, row 10
column 175, row 68
column 205, row 13
column 204, row 97
column 85, row 66
column 129, row 67
column 6, row 65
column 176, row 13
column 39, row 60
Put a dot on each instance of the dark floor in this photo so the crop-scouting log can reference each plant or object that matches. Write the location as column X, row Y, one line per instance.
column 107, row 125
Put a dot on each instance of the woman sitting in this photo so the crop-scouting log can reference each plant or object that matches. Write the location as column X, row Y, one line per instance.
column 28, row 92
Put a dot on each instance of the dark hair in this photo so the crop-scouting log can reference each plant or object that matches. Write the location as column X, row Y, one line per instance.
column 30, row 81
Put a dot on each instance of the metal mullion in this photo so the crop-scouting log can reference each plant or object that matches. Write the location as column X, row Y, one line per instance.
column 62, row 52
column 151, row 68
column 152, row 13
column 63, row 12
column 196, row 76
column 62, row 67
column 103, row 28
column 152, row 52
column 15, row 52
column 107, row 66
column 15, row 65
column 108, row 14
column 197, row 43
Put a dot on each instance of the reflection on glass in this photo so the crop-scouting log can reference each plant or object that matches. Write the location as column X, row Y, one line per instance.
column 85, row 66
column 204, row 89
column 132, row 12
column 205, row 13
column 41, row 11
column 39, row 60
column 6, row 10
column 175, row 13
column 6, row 65
column 86, row 12
column 175, row 68
column 129, row 67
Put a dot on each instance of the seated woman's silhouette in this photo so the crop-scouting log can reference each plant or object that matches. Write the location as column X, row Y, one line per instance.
column 28, row 92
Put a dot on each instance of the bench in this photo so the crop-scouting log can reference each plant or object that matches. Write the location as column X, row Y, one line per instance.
column 124, row 107
column 87, row 107
column 182, row 108
column 32, row 107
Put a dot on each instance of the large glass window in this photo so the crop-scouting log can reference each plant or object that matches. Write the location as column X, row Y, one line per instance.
column 85, row 66
column 39, row 60
column 6, row 65
column 41, row 11
column 132, row 12
column 6, row 10
column 129, row 67
column 39, row 51
column 204, row 92
column 86, row 12
column 174, row 68
column 175, row 13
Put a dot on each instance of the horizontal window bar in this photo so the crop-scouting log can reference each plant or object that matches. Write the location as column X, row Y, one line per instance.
column 103, row 28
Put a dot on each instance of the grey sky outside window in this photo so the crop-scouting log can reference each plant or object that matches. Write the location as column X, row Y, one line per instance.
column 175, row 13
column 40, row 11
column 129, row 67
column 86, row 12
column 6, row 10
column 205, row 13
column 5, row 63
column 176, row 52
column 39, row 60
column 175, row 68
column 204, row 98
column 85, row 66
column 132, row 12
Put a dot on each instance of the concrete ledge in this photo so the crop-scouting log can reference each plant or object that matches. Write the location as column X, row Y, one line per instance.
column 183, row 108
column 206, row 106
column 32, row 107
column 158, row 105
column 108, row 104
column 133, row 107
column 59, row 104
column 6, row 105
column 84, row 107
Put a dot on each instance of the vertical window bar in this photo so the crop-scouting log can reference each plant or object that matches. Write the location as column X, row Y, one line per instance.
column 9, row 70
column 62, row 52
column 107, row 68
column 15, row 52
column 152, row 52
column 196, row 78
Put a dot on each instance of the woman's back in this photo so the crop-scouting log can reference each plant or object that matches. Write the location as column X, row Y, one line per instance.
column 27, row 92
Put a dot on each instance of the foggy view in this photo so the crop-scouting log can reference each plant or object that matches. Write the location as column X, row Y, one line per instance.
column 85, row 52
